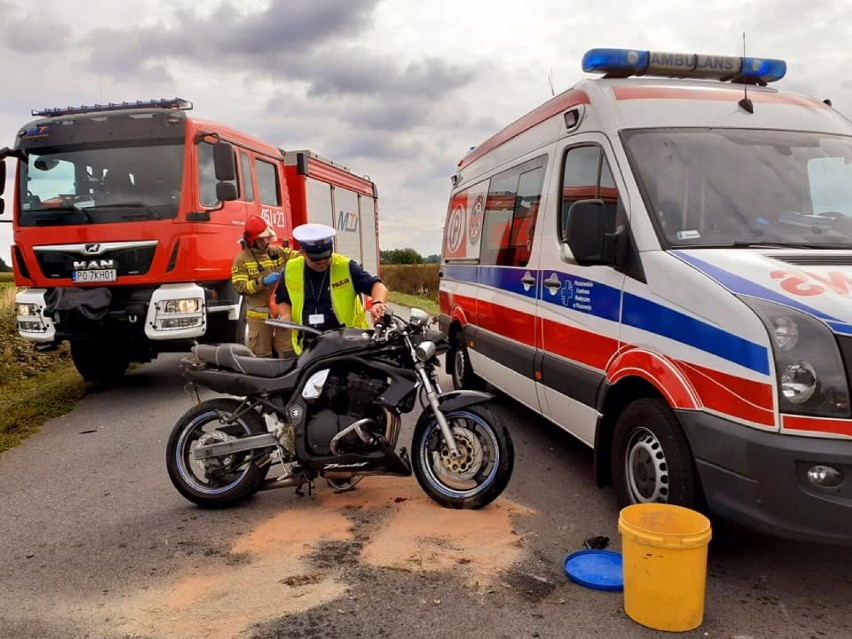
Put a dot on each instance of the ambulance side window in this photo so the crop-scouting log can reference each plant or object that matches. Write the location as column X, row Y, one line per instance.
column 267, row 183
column 245, row 169
column 511, row 209
column 587, row 176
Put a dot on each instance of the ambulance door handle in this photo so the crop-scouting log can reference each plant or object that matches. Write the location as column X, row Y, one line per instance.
column 527, row 279
column 552, row 283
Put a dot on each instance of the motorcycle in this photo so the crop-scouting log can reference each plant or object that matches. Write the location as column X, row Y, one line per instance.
column 335, row 412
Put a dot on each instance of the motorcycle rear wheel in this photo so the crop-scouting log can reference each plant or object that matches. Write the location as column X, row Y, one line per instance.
column 480, row 474
column 222, row 481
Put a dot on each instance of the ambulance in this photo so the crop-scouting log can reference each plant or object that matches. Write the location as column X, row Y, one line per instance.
column 659, row 261
column 127, row 217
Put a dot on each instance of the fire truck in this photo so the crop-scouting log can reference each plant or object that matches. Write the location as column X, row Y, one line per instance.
column 127, row 217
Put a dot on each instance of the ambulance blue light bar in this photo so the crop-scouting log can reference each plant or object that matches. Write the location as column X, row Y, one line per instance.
column 627, row 62
column 164, row 103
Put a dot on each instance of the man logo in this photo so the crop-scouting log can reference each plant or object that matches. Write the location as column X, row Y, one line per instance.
column 92, row 249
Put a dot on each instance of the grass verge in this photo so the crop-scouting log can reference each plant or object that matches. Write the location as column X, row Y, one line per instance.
column 26, row 404
column 34, row 387
column 413, row 301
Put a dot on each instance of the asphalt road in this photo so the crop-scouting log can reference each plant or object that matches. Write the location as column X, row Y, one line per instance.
column 95, row 542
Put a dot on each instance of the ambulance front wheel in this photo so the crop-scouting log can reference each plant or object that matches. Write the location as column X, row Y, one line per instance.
column 462, row 370
column 651, row 458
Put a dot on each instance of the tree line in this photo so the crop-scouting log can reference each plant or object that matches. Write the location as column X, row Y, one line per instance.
column 407, row 256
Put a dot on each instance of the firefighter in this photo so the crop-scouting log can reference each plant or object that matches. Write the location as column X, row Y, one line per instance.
column 256, row 271
column 326, row 294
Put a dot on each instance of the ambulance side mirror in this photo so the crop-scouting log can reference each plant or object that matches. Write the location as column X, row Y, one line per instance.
column 590, row 232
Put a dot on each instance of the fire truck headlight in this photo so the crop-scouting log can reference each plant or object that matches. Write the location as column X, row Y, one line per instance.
column 25, row 309
column 810, row 373
column 188, row 305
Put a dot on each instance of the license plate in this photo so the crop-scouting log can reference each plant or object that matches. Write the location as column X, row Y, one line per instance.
column 95, row 275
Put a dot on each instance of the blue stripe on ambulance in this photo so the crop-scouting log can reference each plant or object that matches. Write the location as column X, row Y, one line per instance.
column 738, row 284
column 843, row 329
column 655, row 318
column 603, row 302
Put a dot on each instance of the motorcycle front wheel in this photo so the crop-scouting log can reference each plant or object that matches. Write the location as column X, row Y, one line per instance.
column 219, row 481
column 482, row 471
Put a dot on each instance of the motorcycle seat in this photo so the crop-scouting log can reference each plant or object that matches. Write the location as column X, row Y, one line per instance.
column 239, row 358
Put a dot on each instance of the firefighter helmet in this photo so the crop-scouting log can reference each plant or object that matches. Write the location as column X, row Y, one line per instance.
column 256, row 227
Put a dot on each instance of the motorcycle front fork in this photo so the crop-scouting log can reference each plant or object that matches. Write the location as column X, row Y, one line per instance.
column 432, row 392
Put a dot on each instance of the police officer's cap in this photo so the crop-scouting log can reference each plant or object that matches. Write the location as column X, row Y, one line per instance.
column 315, row 239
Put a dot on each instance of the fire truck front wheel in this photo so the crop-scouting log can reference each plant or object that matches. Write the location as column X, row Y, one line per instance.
column 101, row 362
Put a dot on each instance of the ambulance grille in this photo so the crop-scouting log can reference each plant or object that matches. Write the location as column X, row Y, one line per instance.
column 815, row 260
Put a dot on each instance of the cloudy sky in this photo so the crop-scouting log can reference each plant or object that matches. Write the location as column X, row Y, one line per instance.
column 395, row 89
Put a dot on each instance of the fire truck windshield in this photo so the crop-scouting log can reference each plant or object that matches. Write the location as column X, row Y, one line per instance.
column 744, row 187
column 100, row 185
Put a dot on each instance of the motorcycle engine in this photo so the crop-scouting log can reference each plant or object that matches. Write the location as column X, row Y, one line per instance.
column 347, row 396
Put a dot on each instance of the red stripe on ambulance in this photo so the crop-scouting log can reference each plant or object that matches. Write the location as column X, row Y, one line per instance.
column 547, row 110
column 716, row 93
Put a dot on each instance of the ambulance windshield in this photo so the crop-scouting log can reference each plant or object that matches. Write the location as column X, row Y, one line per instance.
column 736, row 187
column 100, row 185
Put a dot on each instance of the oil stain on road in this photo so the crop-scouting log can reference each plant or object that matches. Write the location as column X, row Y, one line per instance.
column 297, row 560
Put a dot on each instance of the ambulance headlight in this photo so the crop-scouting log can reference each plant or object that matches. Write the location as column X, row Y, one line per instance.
column 810, row 373
column 785, row 332
column 798, row 382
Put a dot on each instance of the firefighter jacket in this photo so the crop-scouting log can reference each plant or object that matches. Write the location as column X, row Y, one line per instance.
column 250, row 267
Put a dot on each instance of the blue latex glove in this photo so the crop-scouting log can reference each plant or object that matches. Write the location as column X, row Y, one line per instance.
column 272, row 278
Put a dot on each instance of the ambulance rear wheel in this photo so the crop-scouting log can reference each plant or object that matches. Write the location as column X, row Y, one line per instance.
column 651, row 458
column 461, row 369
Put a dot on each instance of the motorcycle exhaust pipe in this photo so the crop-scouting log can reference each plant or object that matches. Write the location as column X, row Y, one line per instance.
column 358, row 429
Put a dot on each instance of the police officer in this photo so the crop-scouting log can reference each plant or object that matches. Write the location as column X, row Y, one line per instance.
column 322, row 289
column 256, row 271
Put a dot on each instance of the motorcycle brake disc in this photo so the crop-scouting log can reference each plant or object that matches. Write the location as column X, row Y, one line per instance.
column 465, row 466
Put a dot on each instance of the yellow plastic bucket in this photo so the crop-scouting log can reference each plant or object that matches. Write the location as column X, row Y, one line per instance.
column 664, row 551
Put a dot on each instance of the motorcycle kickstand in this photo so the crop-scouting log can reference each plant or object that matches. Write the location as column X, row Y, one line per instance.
column 301, row 492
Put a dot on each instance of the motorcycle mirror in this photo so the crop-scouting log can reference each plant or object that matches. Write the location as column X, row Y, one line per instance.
column 419, row 317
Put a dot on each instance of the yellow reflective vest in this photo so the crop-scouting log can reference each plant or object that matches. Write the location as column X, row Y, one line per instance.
column 345, row 300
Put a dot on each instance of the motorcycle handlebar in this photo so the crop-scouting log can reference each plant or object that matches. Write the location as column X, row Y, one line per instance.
column 292, row 325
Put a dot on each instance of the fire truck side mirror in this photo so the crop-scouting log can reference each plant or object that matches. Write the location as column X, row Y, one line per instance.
column 226, row 191
column 2, row 180
column 223, row 162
